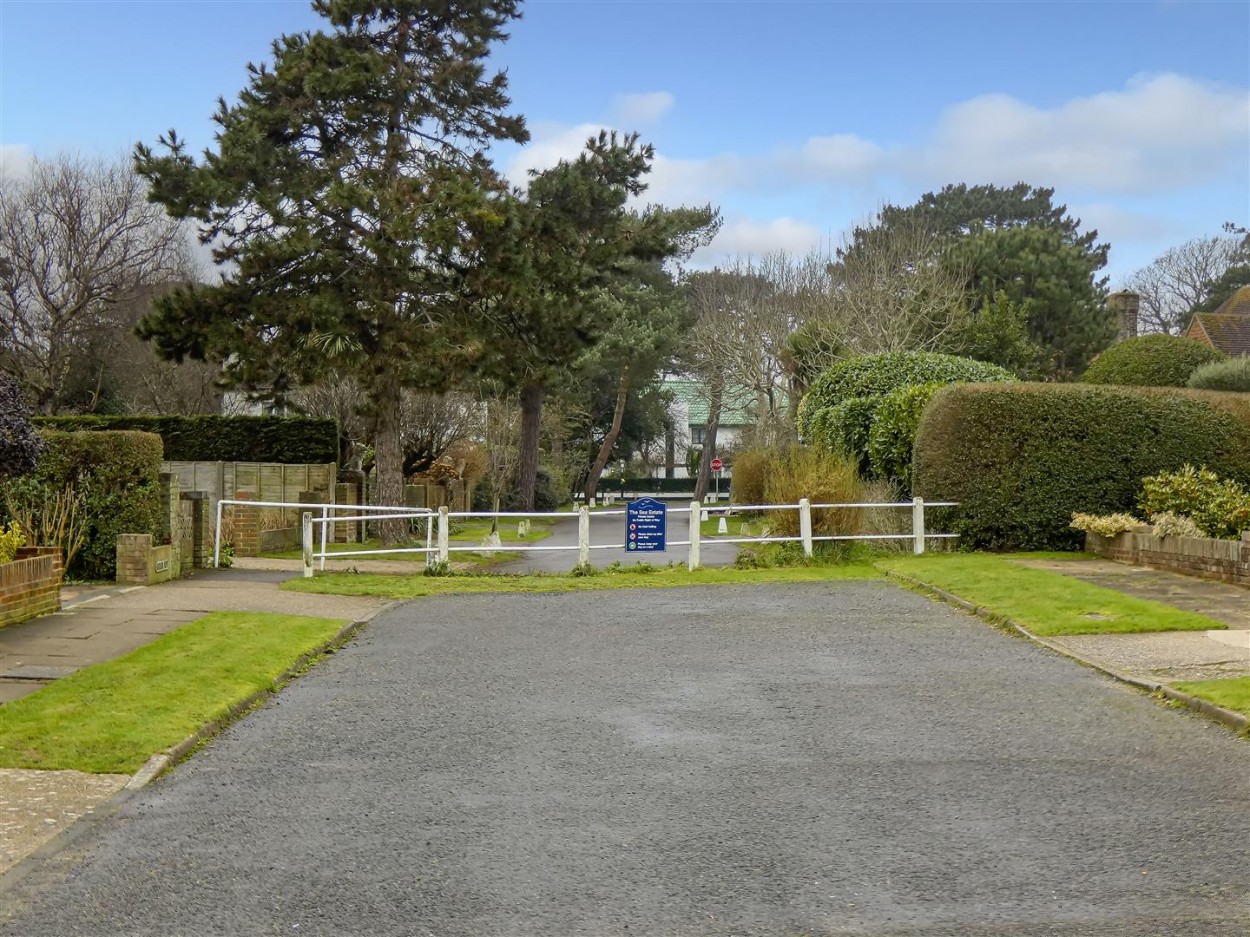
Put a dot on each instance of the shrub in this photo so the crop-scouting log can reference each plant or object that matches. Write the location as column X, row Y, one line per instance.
column 1168, row 524
column 223, row 438
column 1232, row 374
column 546, row 495
column 750, row 475
column 1218, row 507
column 1105, row 525
column 821, row 476
column 1150, row 361
column 11, row 538
column 20, row 445
column 116, row 475
column 1022, row 459
column 893, row 433
column 877, row 375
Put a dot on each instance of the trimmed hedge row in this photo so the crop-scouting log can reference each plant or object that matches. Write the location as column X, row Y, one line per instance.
column 223, row 438
column 1232, row 374
column 116, row 475
column 1022, row 458
column 1151, row 361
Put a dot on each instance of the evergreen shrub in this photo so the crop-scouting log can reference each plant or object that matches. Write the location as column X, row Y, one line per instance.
column 209, row 438
column 1022, row 459
column 1232, row 374
column 1150, row 361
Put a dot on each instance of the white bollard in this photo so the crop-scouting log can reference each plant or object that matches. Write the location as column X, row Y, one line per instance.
column 583, row 536
column 694, row 561
column 703, row 515
column 917, row 524
column 443, row 534
column 805, row 525
column 723, row 526
column 592, row 502
column 306, row 538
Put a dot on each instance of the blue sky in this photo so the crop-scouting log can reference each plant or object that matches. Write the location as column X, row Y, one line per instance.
column 797, row 119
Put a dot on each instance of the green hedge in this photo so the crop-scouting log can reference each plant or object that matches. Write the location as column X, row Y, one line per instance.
column 873, row 375
column 117, row 477
column 893, row 435
column 1022, row 458
column 223, row 438
column 1150, row 361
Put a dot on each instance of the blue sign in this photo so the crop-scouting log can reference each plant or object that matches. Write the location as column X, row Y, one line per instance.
column 646, row 525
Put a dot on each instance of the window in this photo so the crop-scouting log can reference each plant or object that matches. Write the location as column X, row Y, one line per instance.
column 696, row 435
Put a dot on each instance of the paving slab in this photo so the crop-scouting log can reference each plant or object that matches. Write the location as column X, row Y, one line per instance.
column 37, row 805
column 1165, row 656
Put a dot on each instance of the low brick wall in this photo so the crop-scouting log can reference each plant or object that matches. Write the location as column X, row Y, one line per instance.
column 30, row 585
column 141, row 563
column 1225, row 560
column 280, row 540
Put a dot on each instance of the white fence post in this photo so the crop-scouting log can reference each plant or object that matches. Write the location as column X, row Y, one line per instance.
column 917, row 525
column 695, row 516
column 306, row 538
column 325, row 514
column 442, row 534
column 217, row 538
column 805, row 525
column 583, row 536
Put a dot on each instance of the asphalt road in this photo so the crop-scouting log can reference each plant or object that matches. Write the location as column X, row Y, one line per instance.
column 607, row 538
column 763, row 760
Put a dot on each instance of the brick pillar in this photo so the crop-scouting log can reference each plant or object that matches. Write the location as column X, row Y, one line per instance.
column 199, row 553
column 133, row 559
column 246, row 534
column 345, row 493
column 169, row 507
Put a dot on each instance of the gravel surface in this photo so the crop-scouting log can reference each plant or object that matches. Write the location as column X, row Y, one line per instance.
column 817, row 759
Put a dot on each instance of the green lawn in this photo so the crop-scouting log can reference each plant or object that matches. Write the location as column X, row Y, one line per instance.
column 1047, row 603
column 1231, row 693
column 111, row 717
column 407, row 587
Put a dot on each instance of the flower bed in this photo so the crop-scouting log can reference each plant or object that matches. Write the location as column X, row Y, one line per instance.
column 30, row 585
column 1225, row 560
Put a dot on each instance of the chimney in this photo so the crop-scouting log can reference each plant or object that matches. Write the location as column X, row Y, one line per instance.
column 1125, row 303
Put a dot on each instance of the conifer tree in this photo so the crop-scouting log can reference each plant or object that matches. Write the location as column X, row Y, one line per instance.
column 350, row 202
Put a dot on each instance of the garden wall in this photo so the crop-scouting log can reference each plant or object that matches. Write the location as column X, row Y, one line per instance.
column 1225, row 560
column 30, row 585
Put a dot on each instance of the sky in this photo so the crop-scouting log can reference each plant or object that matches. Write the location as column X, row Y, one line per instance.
column 797, row 119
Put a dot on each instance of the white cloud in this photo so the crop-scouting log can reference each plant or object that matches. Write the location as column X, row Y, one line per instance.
column 15, row 160
column 644, row 108
column 549, row 143
column 749, row 236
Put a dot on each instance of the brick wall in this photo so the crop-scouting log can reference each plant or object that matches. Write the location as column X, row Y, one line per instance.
column 1224, row 560
column 141, row 563
column 246, row 536
column 30, row 585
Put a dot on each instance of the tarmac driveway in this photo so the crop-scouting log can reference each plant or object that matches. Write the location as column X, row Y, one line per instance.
column 843, row 758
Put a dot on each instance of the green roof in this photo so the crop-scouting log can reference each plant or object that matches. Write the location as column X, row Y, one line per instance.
column 737, row 409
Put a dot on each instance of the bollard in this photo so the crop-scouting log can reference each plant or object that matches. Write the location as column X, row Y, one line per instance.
column 442, row 534
column 306, row 537
column 583, row 536
column 917, row 525
column 805, row 525
column 694, row 561
column 722, row 526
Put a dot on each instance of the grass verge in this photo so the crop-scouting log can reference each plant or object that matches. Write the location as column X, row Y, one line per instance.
column 1230, row 693
column 407, row 587
column 110, row 717
column 1047, row 603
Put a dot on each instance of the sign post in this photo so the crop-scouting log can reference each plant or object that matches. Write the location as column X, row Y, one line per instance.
column 646, row 525
column 717, row 465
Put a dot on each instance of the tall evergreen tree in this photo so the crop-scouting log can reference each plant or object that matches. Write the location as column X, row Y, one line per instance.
column 350, row 201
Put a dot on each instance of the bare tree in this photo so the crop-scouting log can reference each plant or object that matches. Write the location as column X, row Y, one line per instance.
column 1174, row 283
column 76, row 237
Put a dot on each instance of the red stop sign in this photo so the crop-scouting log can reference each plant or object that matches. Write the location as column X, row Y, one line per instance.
column 717, row 465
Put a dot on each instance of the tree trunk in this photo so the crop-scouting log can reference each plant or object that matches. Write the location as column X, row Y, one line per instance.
column 527, row 461
column 388, row 458
column 609, row 441
column 709, row 440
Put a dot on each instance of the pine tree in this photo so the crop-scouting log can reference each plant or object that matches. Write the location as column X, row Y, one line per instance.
column 350, row 201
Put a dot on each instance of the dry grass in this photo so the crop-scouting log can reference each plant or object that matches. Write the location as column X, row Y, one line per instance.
column 823, row 478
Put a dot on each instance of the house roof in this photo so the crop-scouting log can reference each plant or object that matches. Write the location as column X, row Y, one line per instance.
column 737, row 407
column 1236, row 305
column 1226, row 332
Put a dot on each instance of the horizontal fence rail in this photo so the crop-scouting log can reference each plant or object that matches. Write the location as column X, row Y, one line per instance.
column 438, row 549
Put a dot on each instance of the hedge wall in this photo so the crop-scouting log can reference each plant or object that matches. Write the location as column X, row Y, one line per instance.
column 1021, row 458
column 117, row 476
column 1151, row 361
column 223, row 438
